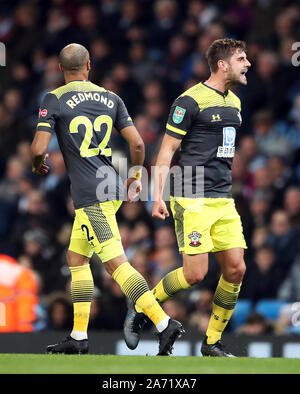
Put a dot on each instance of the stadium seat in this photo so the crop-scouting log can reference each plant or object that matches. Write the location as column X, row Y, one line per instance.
column 269, row 308
column 241, row 311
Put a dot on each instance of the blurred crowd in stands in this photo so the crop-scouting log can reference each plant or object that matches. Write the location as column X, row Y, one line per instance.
column 148, row 52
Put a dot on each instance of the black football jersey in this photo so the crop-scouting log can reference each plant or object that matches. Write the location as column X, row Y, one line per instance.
column 206, row 120
column 83, row 115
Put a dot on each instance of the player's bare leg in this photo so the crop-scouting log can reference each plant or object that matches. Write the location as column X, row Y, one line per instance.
column 135, row 287
column 233, row 269
column 232, row 264
column 82, row 287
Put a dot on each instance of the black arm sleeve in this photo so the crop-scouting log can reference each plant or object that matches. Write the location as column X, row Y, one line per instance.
column 122, row 119
column 181, row 116
column 47, row 113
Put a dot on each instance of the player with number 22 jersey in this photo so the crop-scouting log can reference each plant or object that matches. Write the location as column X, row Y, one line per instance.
column 82, row 115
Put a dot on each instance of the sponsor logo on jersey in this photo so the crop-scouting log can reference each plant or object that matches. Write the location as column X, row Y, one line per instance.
column 228, row 148
column 178, row 115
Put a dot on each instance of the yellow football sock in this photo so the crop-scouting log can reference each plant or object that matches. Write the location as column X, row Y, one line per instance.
column 135, row 287
column 171, row 284
column 225, row 299
column 82, row 286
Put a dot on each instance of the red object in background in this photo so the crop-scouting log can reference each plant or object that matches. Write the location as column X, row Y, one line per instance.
column 18, row 296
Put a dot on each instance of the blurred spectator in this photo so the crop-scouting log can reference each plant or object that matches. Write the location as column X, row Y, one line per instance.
column 259, row 237
column 292, row 205
column 165, row 260
column 101, row 59
column 52, row 77
column 24, row 154
column 25, row 31
column 133, row 213
column 201, row 315
column 141, row 234
column 204, row 13
column 172, row 65
column 27, row 183
column 12, row 127
column 9, row 194
column 288, row 321
column 248, row 148
column 164, row 238
column 60, row 312
column 176, row 309
column 130, row 23
column 57, row 31
column 18, row 296
column 262, row 276
column 57, row 185
column 112, row 305
column 260, row 208
column 268, row 138
column 148, row 134
column 281, row 177
column 43, row 259
column 203, row 300
column 264, row 92
column 153, row 90
column 241, row 177
column 289, row 289
column 283, row 239
column 88, row 25
column 262, row 184
column 190, row 29
column 155, row 110
column 163, row 27
column 9, row 184
column 291, row 126
column 141, row 66
column 239, row 17
column 34, row 215
column 140, row 261
column 255, row 324
column 128, row 88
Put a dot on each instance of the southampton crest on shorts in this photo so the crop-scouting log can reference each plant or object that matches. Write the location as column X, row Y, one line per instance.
column 194, row 237
column 178, row 115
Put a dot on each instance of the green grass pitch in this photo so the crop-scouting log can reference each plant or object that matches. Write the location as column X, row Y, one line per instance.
column 109, row 364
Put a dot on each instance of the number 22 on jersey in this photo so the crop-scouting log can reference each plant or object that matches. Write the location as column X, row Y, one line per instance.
column 85, row 150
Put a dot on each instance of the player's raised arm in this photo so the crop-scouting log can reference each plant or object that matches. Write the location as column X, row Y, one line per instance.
column 137, row 156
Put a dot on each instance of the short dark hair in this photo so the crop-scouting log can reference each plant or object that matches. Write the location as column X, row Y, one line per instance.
column 73, row 57
column 223, row 49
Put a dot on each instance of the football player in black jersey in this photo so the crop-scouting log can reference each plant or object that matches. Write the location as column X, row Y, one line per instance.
column 203, row 122
column 82, row 116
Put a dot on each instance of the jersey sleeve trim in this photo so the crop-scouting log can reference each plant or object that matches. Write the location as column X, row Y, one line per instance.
column 175, row 129
column 49, row 110
column 43, row 124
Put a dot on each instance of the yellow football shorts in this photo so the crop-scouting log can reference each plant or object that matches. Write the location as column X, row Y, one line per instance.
column 95, row 230
column 206, row 224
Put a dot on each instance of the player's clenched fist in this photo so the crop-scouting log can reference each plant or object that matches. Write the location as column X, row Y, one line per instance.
column 134, row 188
column 160, row 210
column 41, row 168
